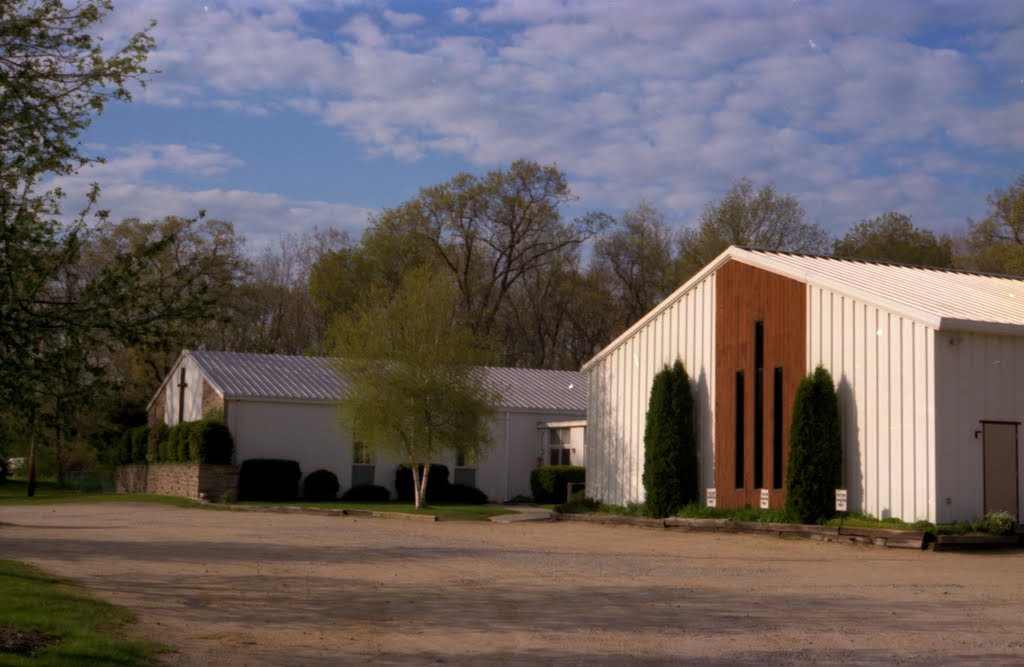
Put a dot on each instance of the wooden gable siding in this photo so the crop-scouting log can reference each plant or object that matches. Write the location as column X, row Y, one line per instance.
column 746, row 295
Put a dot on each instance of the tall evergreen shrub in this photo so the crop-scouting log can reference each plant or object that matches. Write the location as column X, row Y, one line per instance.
column 815, row 450
column 670, row 443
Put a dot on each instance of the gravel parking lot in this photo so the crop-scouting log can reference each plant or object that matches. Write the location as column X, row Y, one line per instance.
column 246, row 588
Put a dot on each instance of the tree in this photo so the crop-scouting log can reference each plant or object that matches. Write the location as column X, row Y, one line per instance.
column 670, row 443
column 891, row 237
column 490, row 232
column 815, row 449
column 637, row 257
column 995, row 244
column 413, row 386
column 762, row 219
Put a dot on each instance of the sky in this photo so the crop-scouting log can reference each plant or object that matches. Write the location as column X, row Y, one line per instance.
column 287, row 116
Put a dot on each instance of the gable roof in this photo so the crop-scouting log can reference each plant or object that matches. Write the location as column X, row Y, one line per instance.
column 944, row 299
column 279, row 377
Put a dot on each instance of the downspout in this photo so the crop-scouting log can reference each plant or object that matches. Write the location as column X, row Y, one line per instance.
column 508, row 461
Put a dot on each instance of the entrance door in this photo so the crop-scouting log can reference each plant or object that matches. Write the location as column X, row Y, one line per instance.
column 1000, row 443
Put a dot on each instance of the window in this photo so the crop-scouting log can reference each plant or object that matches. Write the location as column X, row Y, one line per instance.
column 559, row 447
column 738, row 472
column 777, row 429
column 363, row 470
column 758, row 405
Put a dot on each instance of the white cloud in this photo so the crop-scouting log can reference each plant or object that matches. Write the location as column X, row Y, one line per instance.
column 402, row 21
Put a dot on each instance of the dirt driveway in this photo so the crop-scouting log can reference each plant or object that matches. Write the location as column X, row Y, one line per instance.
column 233, row 588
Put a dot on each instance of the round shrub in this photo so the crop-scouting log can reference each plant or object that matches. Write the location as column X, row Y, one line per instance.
column 367, row 493
column 468, row 495
column 999, row 523
column 437, row 483
column 275, row 480
column 320, row 485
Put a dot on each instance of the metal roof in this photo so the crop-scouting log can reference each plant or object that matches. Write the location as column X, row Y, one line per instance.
column 944, row 299
column 314, row 379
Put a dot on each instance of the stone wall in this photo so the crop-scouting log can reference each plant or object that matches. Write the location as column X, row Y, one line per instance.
column 188, row 480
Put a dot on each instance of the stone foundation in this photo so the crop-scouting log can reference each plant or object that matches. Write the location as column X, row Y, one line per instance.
column 188, row 480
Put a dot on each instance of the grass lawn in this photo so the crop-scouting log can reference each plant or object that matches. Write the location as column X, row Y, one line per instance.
column 74, row 628
column 14, row 493
column 442, row 510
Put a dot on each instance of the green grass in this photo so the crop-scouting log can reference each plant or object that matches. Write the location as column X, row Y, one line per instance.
column 15, row 492
column 442, row 510
column 87, row 631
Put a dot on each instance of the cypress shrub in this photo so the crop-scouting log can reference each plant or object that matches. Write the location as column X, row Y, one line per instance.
column 437, row 483
column 181, row 453
column 549, row 483
column 815, row 450
column 124, row 448
column 156, row 445
column 139, row 437
column 367, row 493
column 275, row 480
column 320, row 485
column 209, row 442
column 169, row 449
column 670, row 444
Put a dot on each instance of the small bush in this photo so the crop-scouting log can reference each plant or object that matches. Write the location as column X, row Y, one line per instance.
column 156, row 443
column 437, row 483
column 320, row 485
column 579, row 505
column 549, row 483
column 367, row 493
column 519, row 499
column 998, row 523
column 274, row 480
column 468, row 495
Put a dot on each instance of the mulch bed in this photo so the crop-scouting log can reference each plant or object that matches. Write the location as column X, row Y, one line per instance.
column 23, row 642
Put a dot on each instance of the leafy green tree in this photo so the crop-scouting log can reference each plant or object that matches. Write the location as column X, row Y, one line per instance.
column 995, row 244
column 670, row 444
column 413, row 386
column 488, row 232
column 891, row 237
column 815, row 449
column 747, row 217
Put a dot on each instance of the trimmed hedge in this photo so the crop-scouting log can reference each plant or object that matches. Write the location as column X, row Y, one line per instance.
column 320, row 485
column 549, row 483
column 437, row 483
column 210, row 442
column 274, row 480
column 468, row 495
column 367, row 493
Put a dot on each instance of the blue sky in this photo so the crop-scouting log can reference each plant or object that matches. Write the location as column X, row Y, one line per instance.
column 281, row 116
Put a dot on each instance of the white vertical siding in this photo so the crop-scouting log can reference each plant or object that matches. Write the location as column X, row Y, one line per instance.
column 620, row 385
column 977, row 378
column 882, row 365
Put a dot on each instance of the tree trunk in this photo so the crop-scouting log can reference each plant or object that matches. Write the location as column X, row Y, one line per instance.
column 423, row 487
column 415, row 484
column 32, row 467
column 59, row 455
